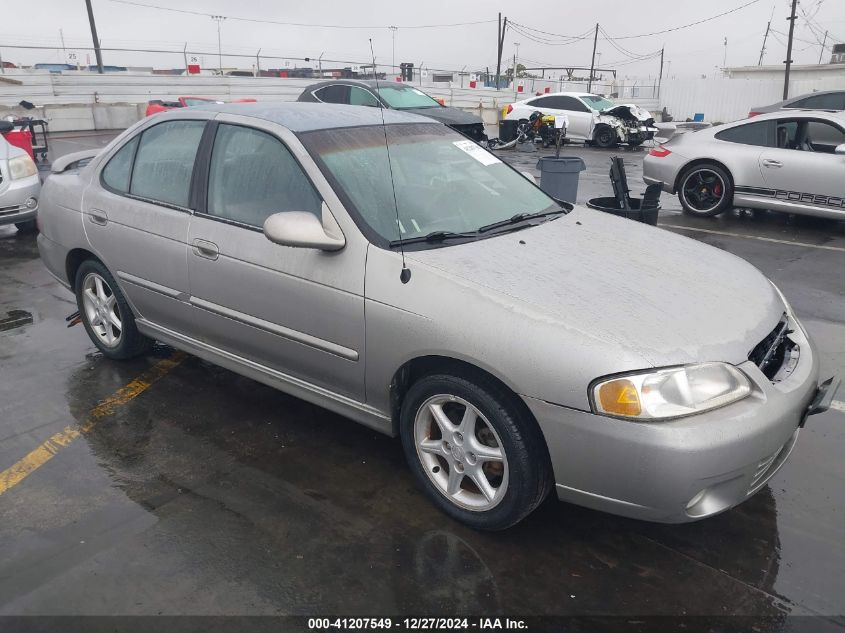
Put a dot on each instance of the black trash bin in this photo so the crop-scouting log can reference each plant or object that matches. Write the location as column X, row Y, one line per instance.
column 507, row 130
column 611, row 205
column 559, row 176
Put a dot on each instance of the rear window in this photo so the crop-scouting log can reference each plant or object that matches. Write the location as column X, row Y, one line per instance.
column 758, row 133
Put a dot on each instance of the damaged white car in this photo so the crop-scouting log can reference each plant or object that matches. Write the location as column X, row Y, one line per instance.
column 592, row 118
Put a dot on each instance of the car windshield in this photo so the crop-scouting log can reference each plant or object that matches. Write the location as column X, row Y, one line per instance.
column 404, row 97
column 598, row 103
column 443, row 181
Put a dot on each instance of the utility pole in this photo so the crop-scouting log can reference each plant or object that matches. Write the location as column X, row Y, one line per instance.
column 788, row 61
column 593, row 62
column 320, row 64
column 500, row 43
column 185, row 56
column 97, row 52
column 821, row 52
column 660, row 79
column 219, row 19
column 725, row 59
column 515, row 57
column 393, row 30
column 258, row 63
column 763, row 48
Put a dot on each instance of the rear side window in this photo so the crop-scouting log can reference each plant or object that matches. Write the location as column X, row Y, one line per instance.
column 833, row 101
column 336, row 93
column 117, row 172
column 253, row 175
column 760, row 133
column 165, row 161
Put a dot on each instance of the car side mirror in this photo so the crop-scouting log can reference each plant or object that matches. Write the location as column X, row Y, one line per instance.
column 301, row 229
column 840, row 149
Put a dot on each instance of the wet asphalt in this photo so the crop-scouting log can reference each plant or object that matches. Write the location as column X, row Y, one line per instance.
column 211, row 494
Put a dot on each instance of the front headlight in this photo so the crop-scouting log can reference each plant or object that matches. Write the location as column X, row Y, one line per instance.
column 22, row 167
column 670, row 393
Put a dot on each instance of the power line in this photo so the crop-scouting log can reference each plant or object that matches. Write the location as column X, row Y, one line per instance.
column 686, row 26
column 302, row 24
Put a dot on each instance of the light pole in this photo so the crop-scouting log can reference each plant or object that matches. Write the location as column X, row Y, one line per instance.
column 393, row 30
column 219, row 19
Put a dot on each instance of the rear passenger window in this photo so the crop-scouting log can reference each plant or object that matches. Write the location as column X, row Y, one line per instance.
column 164, row 162
column 832, row 101
column 253, row 175
column 759, row 133
column 118, row 171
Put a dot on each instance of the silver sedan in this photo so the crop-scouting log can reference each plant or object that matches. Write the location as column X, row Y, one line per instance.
column 516, row 345
column 790, row 161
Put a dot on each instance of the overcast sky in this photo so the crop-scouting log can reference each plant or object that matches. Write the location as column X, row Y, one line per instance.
column 689, row 52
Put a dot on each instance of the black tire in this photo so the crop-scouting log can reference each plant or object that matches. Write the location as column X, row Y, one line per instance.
column 705, row 190
column 605, row 137
column 30, row 226
column 131, row 342
column 529, row 474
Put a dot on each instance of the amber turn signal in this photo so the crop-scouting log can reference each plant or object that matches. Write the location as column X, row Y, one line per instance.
column 620, row 397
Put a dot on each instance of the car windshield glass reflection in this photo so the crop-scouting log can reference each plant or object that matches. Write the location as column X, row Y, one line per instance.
column 444, row 182
column 404, row 97
column 598, row 103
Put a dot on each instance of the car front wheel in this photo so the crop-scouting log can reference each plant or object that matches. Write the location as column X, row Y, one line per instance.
column 106, row 315
column 605, row 137
column 477, row 456
column 705, row 190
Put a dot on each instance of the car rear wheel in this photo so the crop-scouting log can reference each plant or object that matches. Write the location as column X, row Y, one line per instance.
column 476, row 455
column 106, row 315
column 705, row 190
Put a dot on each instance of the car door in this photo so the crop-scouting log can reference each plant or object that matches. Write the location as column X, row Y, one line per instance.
column 136, row 213
column 804, row 171
column 298, row 311
column 580, row 118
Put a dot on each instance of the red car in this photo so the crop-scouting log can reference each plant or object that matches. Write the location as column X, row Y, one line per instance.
column 159, row 105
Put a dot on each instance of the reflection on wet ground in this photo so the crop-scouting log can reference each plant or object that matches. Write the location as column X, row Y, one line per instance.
column 212, row 494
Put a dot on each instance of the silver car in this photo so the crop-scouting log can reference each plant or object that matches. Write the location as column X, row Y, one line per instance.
column 20, row 187
column 790, row 161
column 514, row 344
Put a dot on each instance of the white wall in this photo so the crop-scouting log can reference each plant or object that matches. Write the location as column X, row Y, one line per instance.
column 723, row 100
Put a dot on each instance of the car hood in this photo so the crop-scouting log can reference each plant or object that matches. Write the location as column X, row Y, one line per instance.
column 664, row 297
column 628, row 111
column 446, row 115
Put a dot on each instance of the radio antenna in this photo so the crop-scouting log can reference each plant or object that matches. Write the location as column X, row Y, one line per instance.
column 405, row 273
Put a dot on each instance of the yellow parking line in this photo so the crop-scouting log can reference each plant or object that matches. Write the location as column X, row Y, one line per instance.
column 751, row 237
column 16, row 473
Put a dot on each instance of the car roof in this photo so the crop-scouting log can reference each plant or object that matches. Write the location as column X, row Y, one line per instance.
column 837, row 115
column 364, row 83
column 562, row 94
column 813, row 94
column 299, row 116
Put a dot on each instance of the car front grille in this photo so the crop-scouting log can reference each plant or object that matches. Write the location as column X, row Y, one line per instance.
column 770, row 353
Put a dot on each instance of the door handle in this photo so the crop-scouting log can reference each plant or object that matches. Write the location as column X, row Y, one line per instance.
column 98, row 216
column 768, row 162
column 204, row 248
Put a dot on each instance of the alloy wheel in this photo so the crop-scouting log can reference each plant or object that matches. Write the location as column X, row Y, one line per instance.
column 461, row 452
column 704, row 190
column 101, row 310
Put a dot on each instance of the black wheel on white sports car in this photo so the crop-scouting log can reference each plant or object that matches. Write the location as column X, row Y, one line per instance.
column 604, row 137
column 705, row 190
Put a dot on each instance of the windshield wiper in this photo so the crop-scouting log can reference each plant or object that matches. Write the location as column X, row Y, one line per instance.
column 519, row 217
column 434, row 236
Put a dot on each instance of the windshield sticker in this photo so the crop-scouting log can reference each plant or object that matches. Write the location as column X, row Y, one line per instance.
column 477, row 152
